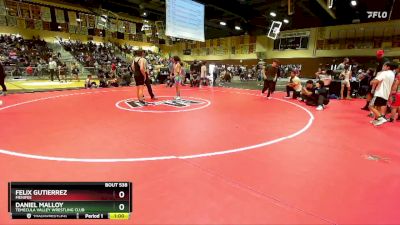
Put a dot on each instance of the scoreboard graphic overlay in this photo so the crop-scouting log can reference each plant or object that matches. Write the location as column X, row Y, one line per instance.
column 70, row 200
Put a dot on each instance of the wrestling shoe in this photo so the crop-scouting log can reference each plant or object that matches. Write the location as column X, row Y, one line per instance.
column 380, row 121
column 143, row 103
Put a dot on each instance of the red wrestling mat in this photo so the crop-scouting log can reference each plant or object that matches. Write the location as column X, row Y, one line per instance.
column 222, row 156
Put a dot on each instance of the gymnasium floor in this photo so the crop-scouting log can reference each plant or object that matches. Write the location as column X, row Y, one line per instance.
column 231, row 157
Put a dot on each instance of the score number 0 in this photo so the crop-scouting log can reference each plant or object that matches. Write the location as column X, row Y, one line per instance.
column 121, row 206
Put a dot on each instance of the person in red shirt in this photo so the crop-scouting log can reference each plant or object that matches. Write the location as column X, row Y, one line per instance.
column 113, row 69
column 29, row 70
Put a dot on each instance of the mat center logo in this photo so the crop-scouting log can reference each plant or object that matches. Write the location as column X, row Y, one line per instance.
column 174, row 103
column 164, row 104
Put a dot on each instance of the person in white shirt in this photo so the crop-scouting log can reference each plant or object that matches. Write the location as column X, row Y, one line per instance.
column 96, row 67
column 345, row 76
column 324, row 75
column 294, row 85
column 52, row 69
column 382, row 84
column 203, row 73
column 395, row 97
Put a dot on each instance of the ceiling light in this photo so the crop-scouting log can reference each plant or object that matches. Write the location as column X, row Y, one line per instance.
column 237, row 28
column 273, row 14
column 103, row 19
column 222, row 23
column 59, row 27
column 145, row 14
column 330, row 4
column 286, row 21
column 79, row 20
column 353, row 2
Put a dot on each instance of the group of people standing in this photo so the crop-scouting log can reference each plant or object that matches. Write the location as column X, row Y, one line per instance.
column 383, row 92
column 382, row 97
column 177, row 76
column 312, row 94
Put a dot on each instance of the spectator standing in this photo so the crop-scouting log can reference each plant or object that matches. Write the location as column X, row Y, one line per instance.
column 2, row 80
column 62, row 73
column 345, row 76
column 341, row 67
column 39, row 69
column 366, row 79
column 75, row 71
column 395, row 104
column 270, row 75
column 52, row 69
column 203, row 73
column 215, row 75
column 96, row 67
column 382, row 84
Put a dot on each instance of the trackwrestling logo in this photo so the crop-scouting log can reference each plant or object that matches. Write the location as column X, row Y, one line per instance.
column 165, row 104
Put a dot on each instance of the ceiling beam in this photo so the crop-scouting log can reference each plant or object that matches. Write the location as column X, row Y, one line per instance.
column 323, row 4
column 227, row 12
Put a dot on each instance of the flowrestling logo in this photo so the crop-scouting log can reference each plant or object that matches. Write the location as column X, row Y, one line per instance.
column 377, row 14
column 164, row 104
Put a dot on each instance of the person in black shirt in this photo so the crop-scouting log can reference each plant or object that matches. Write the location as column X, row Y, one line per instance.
column 316, row 95
column 215, row 75
column 321, row 94
column 270, row 75
column 195, row 68
column 307, row 93
column 2, row 80
column 139, row 69
column 366, row 81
